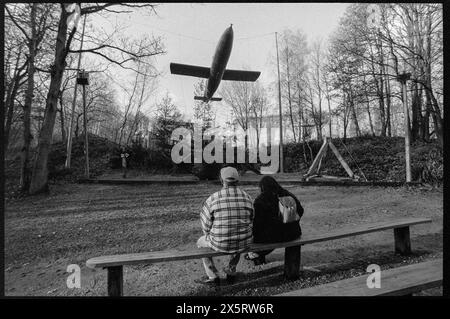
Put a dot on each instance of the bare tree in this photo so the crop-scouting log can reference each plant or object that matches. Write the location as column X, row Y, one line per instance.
column 63, row 42
column 317, row 77
column 14, row 80
column 238, row 96
column 408, row 39
column 147, row 88
column 203, row 111
column 32, row 21
column 293, row 67
column 259, row 107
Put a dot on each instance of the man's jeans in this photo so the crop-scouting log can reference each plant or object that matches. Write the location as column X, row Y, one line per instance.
column 208, row 263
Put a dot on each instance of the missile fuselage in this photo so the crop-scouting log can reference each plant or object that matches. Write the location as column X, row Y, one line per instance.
column 218, row 70
column 219, row 63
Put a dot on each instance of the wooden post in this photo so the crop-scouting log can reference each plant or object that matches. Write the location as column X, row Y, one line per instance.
column 115, row 281
column 407, row 138
column 72, row 115
column 402, row 78
column 292, row 259
column 341, row 160
column 321, row 159
column 318, row 158
column 402, row 240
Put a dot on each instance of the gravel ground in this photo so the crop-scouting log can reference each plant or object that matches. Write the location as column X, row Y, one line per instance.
column 44, row 234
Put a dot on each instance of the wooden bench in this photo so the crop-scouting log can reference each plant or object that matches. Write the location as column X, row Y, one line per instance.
column 398, row 281
column 114, row 263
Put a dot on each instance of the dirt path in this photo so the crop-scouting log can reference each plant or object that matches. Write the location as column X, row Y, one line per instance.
column 43, row 235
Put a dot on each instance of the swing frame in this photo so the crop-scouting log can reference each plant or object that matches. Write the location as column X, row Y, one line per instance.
column 314, row 169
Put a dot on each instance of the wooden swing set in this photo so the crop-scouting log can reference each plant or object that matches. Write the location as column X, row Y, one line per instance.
column 314, row 170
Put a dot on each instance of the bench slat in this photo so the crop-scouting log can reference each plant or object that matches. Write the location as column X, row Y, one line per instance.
column 394, row 282
column 195, row 253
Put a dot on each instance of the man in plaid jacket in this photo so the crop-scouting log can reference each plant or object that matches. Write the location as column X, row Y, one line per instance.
column 227, row 221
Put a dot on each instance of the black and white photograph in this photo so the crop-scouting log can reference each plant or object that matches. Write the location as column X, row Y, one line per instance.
column 222, row 150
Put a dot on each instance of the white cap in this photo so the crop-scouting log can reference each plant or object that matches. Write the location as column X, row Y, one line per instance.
column 229, row 174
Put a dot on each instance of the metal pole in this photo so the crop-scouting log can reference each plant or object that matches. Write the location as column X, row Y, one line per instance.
column 407, row 133
column 86, row 139
column 72, row 116
column 279, row 107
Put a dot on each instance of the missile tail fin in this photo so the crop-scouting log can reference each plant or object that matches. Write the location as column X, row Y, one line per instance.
column 205, row 99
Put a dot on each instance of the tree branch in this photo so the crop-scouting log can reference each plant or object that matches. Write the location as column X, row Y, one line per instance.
column 17, row 24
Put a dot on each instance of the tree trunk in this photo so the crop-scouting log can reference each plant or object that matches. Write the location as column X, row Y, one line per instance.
column 320, row 107
column 378, row 79
column 134, row 127
column 301, row 133
column 382, row 109
column 127, row 110
column 437, row 120
column 77, row 126
column 388, row 106
column 61, row 118
column 370, row 118
column 415, row 110
column 25, row 152
column 368, row 107
column 345, row 118
column 289, row 94
column 426, row 70
column 11, row 97
column 420, row 130
column 432, row 103
column 414, row 46
column 329, row 112
column 9, row 104
column 380, row 89
column 354, row 117
column 345, row 129
column 313, row 113
column 39, row 180
column 426, row 119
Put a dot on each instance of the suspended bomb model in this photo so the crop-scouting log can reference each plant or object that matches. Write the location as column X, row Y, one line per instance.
column 217, row 71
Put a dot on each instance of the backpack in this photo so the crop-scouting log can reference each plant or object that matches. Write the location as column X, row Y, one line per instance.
column 288, row 209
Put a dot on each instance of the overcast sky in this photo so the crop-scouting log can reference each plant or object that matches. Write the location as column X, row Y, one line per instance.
column 191, row 31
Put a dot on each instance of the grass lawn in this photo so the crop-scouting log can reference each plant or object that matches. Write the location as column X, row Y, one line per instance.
column 44, row 234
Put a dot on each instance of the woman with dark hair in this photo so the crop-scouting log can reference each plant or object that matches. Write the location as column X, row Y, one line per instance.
column 268, row 224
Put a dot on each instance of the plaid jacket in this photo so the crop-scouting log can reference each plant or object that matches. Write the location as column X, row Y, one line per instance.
column 227, row 220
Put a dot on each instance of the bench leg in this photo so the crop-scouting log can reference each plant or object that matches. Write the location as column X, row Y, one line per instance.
column 402, row 240
column 292, row 258
column 115, row 281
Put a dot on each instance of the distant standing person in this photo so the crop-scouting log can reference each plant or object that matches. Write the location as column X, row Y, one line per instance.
column 277, row 217
column 124, row 155
column 226, row 219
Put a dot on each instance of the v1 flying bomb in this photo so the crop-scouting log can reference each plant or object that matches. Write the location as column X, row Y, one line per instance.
column 217, row 71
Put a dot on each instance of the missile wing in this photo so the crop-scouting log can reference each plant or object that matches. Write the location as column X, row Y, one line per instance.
column 190, row 70
column 204, row 72
column 239, row 75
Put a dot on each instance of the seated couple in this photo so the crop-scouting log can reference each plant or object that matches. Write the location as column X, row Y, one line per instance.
column 231, row 221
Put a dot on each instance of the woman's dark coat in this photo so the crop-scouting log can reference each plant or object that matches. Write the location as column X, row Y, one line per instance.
column 267, row 226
